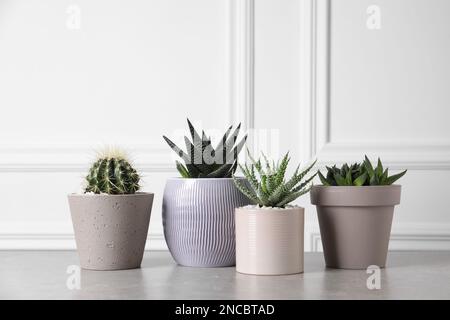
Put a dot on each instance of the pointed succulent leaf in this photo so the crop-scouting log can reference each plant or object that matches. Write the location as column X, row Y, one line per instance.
column 379, row 169
column 323, row 179
column 194, row 134
column 219, row 149
column 232, row 139
column 267, row 163
column 362, row 174
column 267, row 190
column 385, row 175
column 390, row 180
column 195, row 152
column 271, row 182
column 374, row 181
column 297, row 178
column 264, row 184
column 250, row 175
column 304, row 184
column 282, row 168
column 369, row 167
column 256, row 164
column 278, row 194
column 233, row 155
column 178, row 151
column 193, row 170
column 360, row 180
column 348, row 178
column 245, row 190
column 182, row 170
column 232, row 170
column 340, row 180
column 291, row 197
column 221, row 171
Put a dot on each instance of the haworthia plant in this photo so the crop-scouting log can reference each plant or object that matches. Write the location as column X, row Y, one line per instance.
column 267, row 186
column 359, row 174
column 111, row 173
column 202, row 160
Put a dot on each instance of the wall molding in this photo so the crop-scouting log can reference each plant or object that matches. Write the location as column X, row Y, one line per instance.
column 419, row 236
column 315, row 137
column 430, row 237
column 61, row 241
column 242, row 62
column 75, row 157
column 55, row 235
column 316, row 141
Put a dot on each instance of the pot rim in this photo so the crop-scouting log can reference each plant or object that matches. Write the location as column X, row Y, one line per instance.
column 101, row 195
column 321, row 186
column 271, row 210
column 353, row 196
column 204, row 179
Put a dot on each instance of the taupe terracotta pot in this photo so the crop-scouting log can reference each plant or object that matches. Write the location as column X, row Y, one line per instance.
column 355, row 223
column 110, row 230
column 269, row 241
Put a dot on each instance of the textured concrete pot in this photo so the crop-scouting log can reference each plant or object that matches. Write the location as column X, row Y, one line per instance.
column 198, row 220
column 110, row 230
column 355, row 224
column 269, row 241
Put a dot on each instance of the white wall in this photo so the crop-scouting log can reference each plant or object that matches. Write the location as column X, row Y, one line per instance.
column 340, row 90
column 135, row 69
column 398, row 77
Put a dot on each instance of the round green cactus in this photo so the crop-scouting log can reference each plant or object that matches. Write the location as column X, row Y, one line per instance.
column 112, row 174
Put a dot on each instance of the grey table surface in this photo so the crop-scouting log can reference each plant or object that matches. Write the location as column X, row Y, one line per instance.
column 43, row 275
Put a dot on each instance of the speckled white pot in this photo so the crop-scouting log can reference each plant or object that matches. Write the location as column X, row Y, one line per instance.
column 110, row 230
column 269, row 241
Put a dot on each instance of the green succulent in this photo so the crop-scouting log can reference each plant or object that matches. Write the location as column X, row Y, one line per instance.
column 359, row 174
column 112, row 174
column 268, row 187
column 202, row 160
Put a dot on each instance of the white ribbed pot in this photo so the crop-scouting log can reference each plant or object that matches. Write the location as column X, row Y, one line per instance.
column 269, row 241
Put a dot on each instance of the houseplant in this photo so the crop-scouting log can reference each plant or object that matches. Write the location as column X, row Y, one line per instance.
column 198, row 208
column 355, row 206
column 111, row 218
column 269, row 234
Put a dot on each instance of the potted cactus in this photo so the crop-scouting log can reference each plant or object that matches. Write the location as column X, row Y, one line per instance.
column 355, row 206
column 111, row 217
column 198, row 208
column 269, row 234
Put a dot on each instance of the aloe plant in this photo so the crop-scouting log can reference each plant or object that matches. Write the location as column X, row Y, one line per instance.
column 359, row 174
column 111, row 173
column 267, row 186
column 202, row 160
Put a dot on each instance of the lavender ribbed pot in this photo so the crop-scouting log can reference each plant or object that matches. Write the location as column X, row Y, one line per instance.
column 198, row 220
